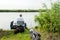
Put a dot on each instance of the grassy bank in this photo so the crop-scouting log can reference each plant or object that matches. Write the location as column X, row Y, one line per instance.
column 48, row 35
column 9, row 35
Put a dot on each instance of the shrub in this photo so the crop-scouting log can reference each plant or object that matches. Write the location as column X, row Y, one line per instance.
column 50, row 19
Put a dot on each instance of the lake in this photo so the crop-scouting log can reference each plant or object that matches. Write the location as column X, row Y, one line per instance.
column 7, row 17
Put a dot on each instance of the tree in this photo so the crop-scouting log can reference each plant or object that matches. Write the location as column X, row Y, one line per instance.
column 50, row 19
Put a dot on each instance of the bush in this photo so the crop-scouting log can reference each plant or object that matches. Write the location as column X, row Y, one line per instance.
column 50, row 19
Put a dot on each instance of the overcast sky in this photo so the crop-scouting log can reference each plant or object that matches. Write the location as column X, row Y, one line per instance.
column 24, row 4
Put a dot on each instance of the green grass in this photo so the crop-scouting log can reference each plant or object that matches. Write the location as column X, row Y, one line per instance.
column 19, row 36
column 9, row 35
column 48, row 35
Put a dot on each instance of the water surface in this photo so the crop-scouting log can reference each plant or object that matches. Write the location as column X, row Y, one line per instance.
column 7, row 17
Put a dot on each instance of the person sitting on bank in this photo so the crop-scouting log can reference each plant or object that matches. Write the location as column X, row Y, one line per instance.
column 20, row 21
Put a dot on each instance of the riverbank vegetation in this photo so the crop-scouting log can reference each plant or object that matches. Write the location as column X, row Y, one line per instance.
column 9, row 35
column 49, row 23
column 50, row 19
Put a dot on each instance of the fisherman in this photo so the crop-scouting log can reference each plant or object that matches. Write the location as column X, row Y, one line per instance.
column 20, row 20
column 21, row 24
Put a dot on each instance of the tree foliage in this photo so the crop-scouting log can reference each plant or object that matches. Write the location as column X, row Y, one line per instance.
column 50, row 19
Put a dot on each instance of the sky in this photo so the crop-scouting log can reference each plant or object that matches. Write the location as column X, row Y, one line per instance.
column 24, row 4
